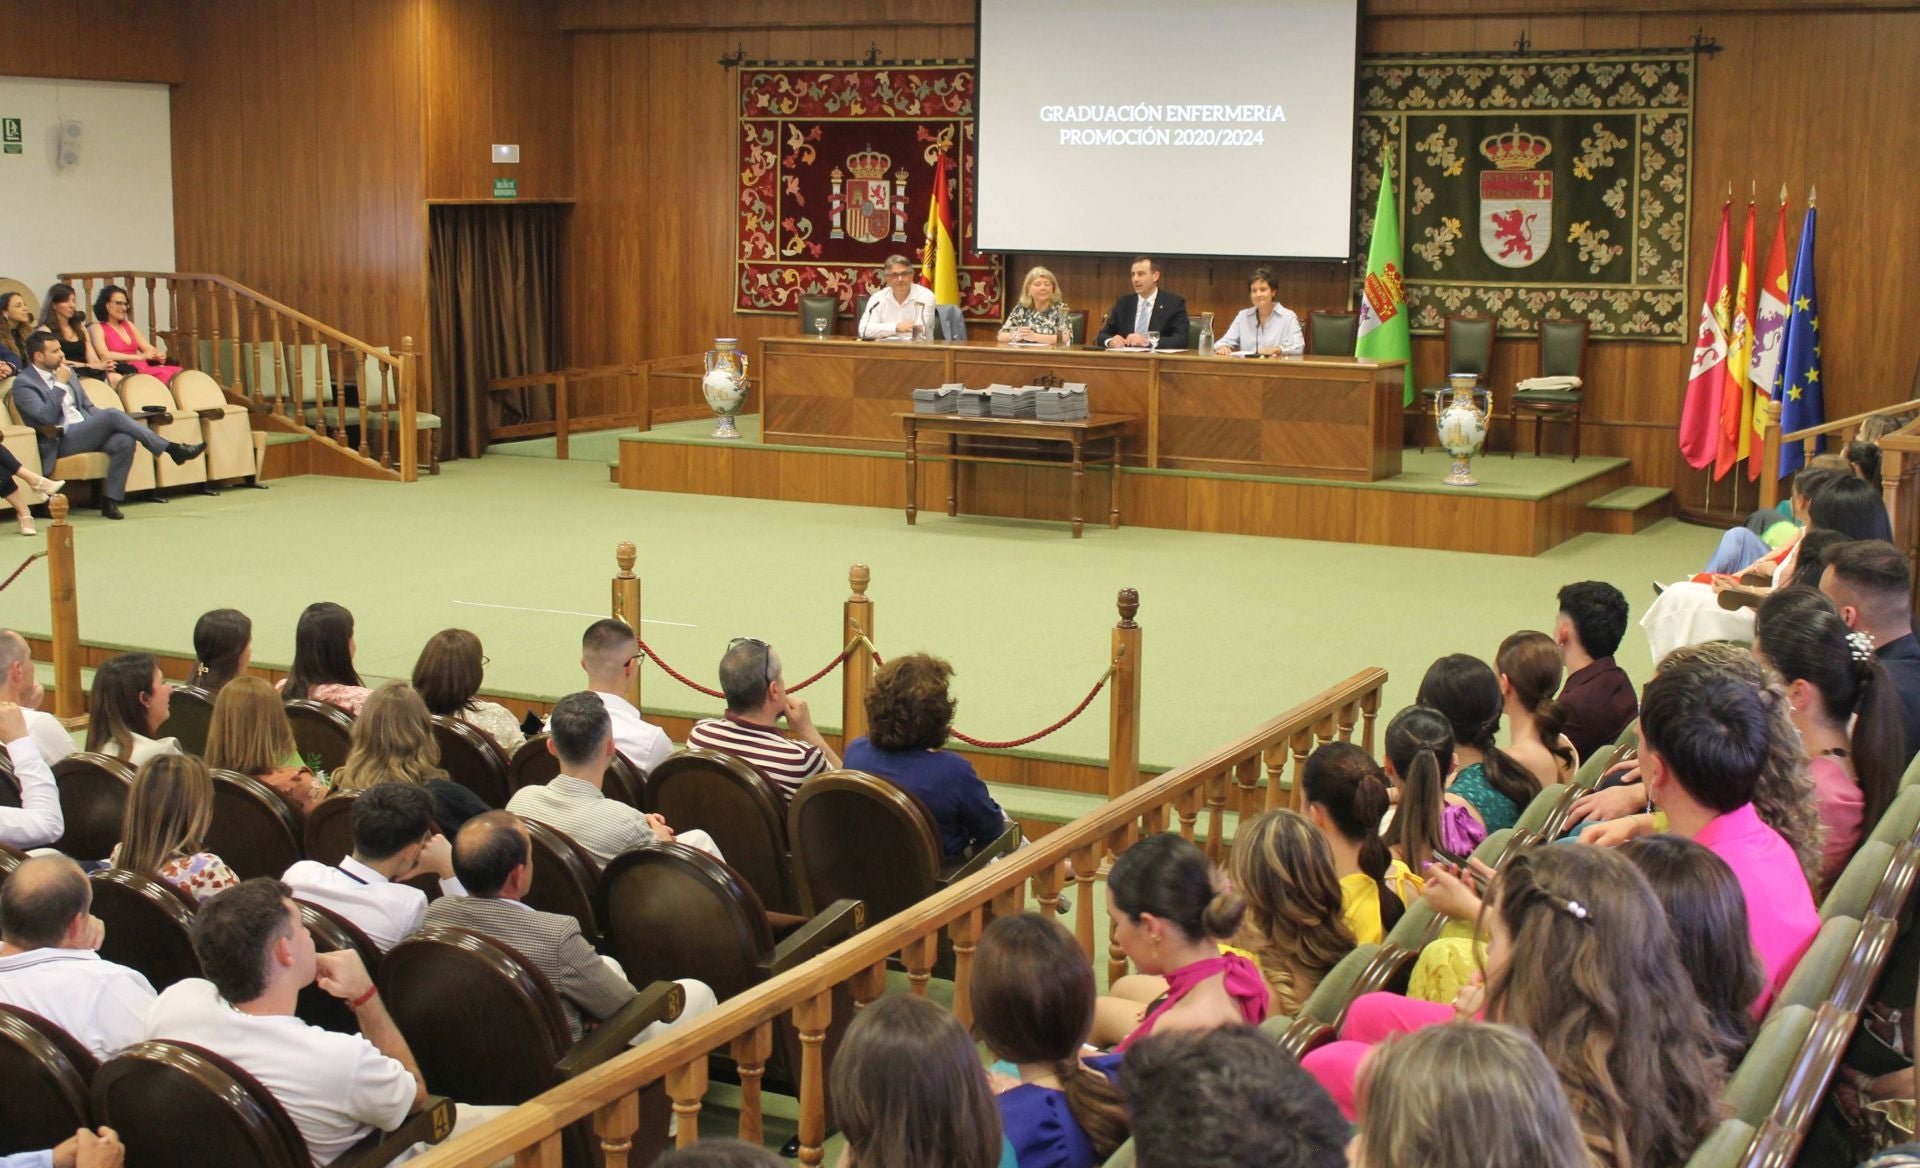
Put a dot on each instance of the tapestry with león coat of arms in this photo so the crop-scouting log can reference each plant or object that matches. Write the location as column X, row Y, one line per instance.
column 837, row 168
column 1535, row 187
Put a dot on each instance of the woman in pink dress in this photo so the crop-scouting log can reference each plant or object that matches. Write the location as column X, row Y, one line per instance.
column 115, row 335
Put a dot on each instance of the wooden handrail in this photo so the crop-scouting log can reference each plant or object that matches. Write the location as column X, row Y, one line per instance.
column 533, row 1129
column 571, row 373
column 260, row 298
column 1848, row 423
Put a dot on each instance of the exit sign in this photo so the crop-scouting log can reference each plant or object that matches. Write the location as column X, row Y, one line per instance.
column 506, row 188
column 10, row 140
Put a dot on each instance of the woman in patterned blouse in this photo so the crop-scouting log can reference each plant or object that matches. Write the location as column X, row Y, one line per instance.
column 169, row 809
column 1041, row 314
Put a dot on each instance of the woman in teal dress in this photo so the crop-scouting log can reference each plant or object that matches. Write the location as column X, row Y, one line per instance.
column 1495, row 786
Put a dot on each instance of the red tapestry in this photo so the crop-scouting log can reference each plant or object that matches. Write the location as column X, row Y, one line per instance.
column 836, row 172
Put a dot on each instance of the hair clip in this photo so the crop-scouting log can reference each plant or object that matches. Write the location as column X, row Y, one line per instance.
column 1862, row 645
column 1576, row 910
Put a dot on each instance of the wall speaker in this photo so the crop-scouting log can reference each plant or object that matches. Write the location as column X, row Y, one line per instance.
column 70, row 135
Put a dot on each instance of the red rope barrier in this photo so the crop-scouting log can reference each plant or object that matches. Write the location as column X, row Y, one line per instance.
column 1036, row 736
column 16, row 572
column 828, row 668
column 678, row 676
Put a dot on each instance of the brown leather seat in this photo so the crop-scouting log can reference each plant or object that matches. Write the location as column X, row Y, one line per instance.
column 93, row 802
column 332, row 932
column 472, row 759
column 149, row 926
column 322, row 733
column 254, row 830
column 673, row 911
column 46, row 1072
column 533, row 763
column 188, row 717
column 730, row 801
column 487, row 1027
column 179, row 1106
column 564, row 878
column 328, row 832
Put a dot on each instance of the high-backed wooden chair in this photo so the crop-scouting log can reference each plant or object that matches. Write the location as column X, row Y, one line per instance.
column 1469, row 350
column 730, row 801
column 149, row 926
column 1563, row 353
column 47, row 1073
column 1077, row 328
column 332, row 932
column 472, row 759
column 179, row 1106
column 323, row 733
column 818, row 315
column 188, row 716
column 564, row 877
column 1332, row 334
column 487, row 1027
column 93, row 801
column 673, row 911
column 254, row 830
column 146, row 397
column 328, row 832
column 534, row 763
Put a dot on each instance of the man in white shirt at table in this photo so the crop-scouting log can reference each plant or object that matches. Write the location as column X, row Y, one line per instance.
column 50, row 963
column 892, row 309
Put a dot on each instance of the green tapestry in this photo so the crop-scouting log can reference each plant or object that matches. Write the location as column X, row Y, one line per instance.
column 1536, row 187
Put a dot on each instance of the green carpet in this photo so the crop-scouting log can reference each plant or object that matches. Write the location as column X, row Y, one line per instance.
column 520, row 550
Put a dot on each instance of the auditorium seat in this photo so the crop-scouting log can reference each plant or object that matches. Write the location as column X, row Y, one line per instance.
column 817, row 309
column 1469, row 350
column 142, row 477
column 328, row 833
column 472, row 759
column 93, row 801
column 332, row 932
column 1325, row 1007
column 1818, row 970
column 24, row 441
column 1901, row 820
column 1853, row 890
column 1725, row 1147
column 188, row 717
column 178, row 1106
column 234, row 448
column 254, row 830
column 1563, row 353
column 564, row 878
column 47, row 1072
column 322, row 733
column 140, row 391
column 149, row 926
column 1332, row 334
column 1605, row 759
column 733, row 803
column 1544, row 808
column 10, row 859
column 1757, row 1082
column 673, row 911
column 487, row 1028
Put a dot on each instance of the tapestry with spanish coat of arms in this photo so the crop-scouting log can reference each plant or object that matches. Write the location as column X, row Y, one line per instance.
column 1535, row 187
column 836, row 173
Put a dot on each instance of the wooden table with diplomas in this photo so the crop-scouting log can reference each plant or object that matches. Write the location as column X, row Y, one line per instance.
column 1008, row 436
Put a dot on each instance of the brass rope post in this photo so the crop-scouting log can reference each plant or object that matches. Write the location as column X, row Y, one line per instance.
column 66, row 612
column 1123, row 700
column 626, row 604
column 857, row 633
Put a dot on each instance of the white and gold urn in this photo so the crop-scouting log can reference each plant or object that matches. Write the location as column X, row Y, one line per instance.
column 1462, row 427
column 725, row 384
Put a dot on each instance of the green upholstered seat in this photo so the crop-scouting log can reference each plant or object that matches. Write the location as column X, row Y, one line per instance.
column 1536, row 813
column 1757, row 1083
column 1122, row 1156
column 1725, row 1147
column 1547, row 396
column 1328, row 1001
column 1410, row 931
column 1853, row 891
column 816, row 311
column 1901, row 819
column 1332, row 334
column 1812, row 980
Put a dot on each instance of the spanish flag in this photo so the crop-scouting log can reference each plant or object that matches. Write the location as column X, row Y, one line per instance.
column 1736, row 393
column 939, row 265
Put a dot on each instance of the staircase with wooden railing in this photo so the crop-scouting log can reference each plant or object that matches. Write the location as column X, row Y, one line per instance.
column 359, row 404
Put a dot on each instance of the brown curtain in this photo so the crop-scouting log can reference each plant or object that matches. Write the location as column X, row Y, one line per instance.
column 494, row 280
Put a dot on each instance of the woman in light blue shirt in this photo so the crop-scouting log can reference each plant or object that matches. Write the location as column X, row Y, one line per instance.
column 1266, row 328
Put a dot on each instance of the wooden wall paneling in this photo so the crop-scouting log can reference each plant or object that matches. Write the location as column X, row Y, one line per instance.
column 143, row 41
column 496, row 71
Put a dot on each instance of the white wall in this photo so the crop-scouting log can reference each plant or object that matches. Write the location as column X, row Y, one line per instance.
column 112, row 210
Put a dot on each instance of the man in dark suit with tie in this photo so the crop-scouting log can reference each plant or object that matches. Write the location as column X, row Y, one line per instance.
column 1146, row 310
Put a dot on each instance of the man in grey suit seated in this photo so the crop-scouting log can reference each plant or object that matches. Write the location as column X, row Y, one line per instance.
column 49, row 395
column 493, row 857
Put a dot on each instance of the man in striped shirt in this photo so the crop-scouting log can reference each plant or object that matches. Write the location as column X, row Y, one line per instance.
column 757, row 699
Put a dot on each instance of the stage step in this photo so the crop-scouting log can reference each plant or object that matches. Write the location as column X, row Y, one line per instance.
column 1630, row 509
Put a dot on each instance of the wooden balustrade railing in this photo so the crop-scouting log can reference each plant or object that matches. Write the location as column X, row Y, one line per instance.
column 631, row 394
column 1772, row 441
column 1191, row 796
column 297, row 374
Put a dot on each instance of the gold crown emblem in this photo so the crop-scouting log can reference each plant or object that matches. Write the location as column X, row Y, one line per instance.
column 869, row 163
column 1515, row 149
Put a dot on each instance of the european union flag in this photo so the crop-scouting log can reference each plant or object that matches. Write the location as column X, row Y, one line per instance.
column 1801, row 401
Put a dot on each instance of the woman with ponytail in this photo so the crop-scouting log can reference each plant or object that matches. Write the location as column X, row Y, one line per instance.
column 1032, row 997
column 1432, row 823
column 1494, row 785
column 1832, row 679
column 1170, row 915
column 1529, row 668
column 1346, row 799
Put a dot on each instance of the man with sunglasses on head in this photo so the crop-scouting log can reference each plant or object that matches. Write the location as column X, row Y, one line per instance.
column 610, row 653
column 757, row 699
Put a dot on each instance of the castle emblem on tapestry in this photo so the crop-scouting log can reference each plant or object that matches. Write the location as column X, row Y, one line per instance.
column 1573, row 172
column 836, row 172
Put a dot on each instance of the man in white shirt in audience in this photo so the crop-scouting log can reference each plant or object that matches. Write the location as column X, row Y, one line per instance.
column 757, row 699
column 610, row 653
column 580, row 735
column 893, row 307
column 19, row 686
column 394, row 840
column 37, row 822
column 258, row 956
column 50, row 963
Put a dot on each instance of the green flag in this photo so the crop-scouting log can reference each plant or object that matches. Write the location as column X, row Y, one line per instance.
column 1383, row 300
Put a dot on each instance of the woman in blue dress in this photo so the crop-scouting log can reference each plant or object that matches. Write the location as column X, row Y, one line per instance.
column 1032, row 998
column 1466, row 691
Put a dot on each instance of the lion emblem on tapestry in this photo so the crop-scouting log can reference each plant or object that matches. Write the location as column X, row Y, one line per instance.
column 1536, row 187
column 837, row 167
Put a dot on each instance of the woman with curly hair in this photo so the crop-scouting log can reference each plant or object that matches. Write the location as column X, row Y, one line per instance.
column 909, row 714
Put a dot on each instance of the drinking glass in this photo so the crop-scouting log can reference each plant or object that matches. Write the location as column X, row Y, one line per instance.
column 820, row 329
column 1153, row 339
